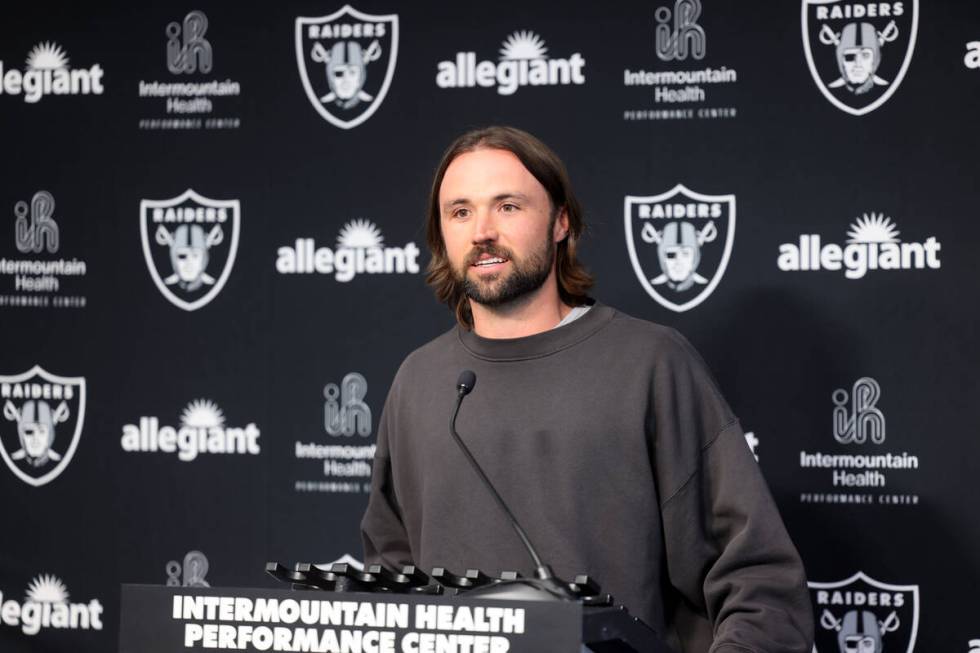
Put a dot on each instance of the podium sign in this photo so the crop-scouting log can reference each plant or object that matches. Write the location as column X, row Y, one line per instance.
column 159, row 619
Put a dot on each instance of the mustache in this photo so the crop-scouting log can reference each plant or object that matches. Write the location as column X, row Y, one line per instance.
column 491, row 250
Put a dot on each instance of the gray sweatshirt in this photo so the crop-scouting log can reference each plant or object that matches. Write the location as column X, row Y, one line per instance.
column 611, row 443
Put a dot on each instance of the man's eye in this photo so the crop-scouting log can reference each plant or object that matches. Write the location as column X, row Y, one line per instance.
column 509, row 208
column 461, row 213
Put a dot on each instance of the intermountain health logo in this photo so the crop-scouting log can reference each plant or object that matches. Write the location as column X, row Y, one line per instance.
column 202, row 430
column 189, row 243
column 345, row 455
column 858, row 52
column 859, row 471
column 47, row 605
column 346, row 62
column 47, row 73
column 43, row 419
column 40, row 279
column 523, row 61
column 680, row 86
column 360, row 250
column 862, row 615
column 188, row 100
column 190, row 573
column 872, row 244
column 680, row 242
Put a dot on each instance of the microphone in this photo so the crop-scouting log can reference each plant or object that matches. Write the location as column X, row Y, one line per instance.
column 548, row 586
column 466, row 382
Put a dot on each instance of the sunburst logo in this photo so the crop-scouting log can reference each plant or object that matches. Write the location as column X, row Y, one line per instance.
column 46, row 588
column 202, row 413
column 523, row 45
column 360, row 233
column 873, row 228
column 47, row 56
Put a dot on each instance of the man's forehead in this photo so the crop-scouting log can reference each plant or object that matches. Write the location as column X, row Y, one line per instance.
column 486, row 174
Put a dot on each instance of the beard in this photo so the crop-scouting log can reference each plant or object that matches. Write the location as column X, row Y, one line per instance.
column 496, row 290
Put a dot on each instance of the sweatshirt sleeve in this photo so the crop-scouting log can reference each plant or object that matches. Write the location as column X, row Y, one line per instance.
column 728, row 552
column 382, row 531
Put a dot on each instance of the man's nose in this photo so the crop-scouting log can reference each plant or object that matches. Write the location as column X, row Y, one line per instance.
column 484, row 226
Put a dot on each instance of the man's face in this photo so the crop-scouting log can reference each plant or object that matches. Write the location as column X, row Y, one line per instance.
column 679, row 262
column 858, row 64
column 498, row 227
column 35, row 438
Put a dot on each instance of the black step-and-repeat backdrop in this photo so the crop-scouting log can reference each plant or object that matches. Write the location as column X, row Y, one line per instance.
column 212, row 261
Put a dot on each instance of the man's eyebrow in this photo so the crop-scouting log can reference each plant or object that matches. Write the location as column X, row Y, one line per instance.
column 510, row 196
column 460, row 201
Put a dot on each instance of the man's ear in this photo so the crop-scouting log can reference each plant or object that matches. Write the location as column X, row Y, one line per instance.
column 560, row 231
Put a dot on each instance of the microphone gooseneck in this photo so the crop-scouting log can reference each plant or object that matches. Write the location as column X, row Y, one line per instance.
column 465, row 384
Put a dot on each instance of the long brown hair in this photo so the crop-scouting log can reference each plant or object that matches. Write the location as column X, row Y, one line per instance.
column 573, row 279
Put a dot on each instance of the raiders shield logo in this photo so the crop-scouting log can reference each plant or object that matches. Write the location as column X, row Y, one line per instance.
column 680, row 242
column 346, row 61
column 42, row 422
column 858, row 53
column 189, row 243
column 863, row 615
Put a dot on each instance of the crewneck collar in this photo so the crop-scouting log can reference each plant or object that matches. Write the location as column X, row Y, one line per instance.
column 540, row 344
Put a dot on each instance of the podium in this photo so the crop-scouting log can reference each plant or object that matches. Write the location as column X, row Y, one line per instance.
column 156, row 619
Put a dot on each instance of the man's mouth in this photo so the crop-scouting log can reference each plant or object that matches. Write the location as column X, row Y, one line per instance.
column 488, row 261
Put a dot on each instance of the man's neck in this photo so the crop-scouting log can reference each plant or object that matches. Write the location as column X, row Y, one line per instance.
column 541, row 311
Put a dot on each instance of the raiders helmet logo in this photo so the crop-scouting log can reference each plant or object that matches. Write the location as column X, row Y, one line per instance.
column 857, row 53
column 43, row 415
column 862, row 615
column 190, row 243
column 680, row 242
column 346, row 61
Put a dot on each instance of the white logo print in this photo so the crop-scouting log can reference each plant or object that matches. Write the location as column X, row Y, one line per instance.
column 854, row 469
column 344, row 464
column 187, row 49
column 344, row 411
column 972, row 58
column 202, row 430
column 523, row 62
column 360, row 250
column 189, row 102
column 190, row 232
column 680, row 242
column 47, row 73
column 346, row 62
column 46, row 606
column 682, row 36
column 855, row 51
column 753, row 443
column 861, row 421
column 36, row 229
column 873, row 244
column 859, row 614
column 189, row 574
column 44, row 415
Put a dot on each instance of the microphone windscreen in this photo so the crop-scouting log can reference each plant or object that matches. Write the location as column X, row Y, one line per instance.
column 467, row 379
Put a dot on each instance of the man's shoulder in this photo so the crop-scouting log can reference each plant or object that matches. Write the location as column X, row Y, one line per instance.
column 662, row 338
column 432, row 354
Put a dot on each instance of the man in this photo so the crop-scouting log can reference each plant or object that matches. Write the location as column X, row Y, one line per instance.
column 605, row 434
